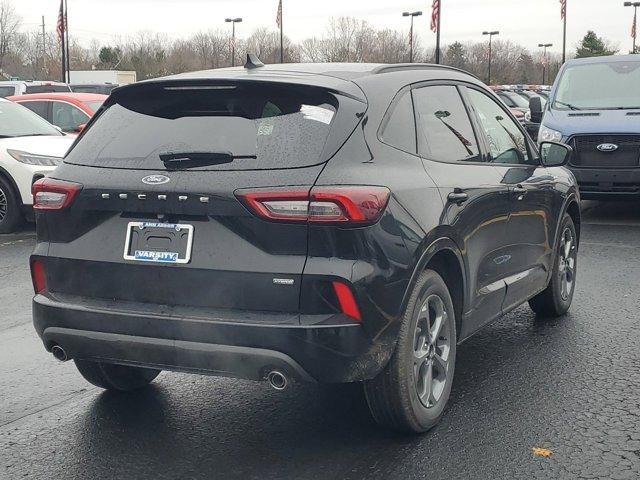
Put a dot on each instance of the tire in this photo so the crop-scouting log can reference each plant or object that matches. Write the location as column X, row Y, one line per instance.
column 556, row 299
column 393, row 396
column 116, row 377
column 10, row 214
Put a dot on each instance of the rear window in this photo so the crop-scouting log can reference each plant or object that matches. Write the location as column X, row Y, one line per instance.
column 47, row 88
column 255, row 126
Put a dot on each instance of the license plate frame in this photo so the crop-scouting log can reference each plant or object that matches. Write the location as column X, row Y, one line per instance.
column 158, row 256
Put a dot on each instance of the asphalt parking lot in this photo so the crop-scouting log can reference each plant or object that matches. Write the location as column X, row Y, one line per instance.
column 571, row 386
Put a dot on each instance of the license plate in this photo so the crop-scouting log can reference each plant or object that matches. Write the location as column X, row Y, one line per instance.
column 155, row 242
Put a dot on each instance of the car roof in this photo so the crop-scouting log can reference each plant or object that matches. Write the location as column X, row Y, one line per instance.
column 344, row 71
column 68, row 96
column 606, row 59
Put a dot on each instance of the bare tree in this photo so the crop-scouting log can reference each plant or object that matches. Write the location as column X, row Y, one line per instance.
column 9, row 26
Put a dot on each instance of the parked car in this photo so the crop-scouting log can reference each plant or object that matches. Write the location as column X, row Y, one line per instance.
column 311, row 222
column 29, row 149
column 69, row 111
column 595, row 108
column 101, row 88
column 518, row 103
column 20, row 87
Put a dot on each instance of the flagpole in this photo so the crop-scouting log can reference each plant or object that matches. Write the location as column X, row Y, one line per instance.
column 281, row 34
column 66, row 33
column 564, row 35
column 438, row 33
column 63, row 47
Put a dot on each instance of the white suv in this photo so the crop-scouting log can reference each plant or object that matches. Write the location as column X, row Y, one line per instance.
column 30, row 147
column 20, row 87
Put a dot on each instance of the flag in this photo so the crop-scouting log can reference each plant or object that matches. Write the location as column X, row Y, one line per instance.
column 563, row 9
column 435, row 15
column 61, row 25
column 279, row 16
column 634, row 27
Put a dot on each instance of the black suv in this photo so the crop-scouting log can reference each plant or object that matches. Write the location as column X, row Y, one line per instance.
column 320, row 223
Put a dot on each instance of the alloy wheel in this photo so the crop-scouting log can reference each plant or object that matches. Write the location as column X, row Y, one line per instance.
column 567, row 266
column 431, row 350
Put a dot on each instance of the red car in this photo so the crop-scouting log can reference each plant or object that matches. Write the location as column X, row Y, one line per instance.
column 69, row 111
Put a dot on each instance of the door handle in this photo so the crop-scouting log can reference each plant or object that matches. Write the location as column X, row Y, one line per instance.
column 458, row 196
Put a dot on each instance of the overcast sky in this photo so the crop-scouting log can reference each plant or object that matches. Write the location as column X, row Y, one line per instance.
column 528, row 22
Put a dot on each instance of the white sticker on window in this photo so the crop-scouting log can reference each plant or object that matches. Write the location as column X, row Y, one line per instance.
column 319, row 114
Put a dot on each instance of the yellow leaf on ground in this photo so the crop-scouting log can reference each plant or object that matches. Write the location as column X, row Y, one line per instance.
column 542, row 452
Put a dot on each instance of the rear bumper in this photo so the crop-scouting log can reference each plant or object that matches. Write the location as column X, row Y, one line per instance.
column 330, row 351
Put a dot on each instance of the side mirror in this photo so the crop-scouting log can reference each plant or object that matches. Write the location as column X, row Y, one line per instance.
column 80, row 128
column 535, row 107
column 554, row 154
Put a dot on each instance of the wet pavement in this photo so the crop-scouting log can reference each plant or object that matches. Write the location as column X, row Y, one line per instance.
column 570, row 385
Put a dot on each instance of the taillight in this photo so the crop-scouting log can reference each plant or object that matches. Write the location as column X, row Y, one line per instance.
column 38, row 276
column 51, row 194
column 347, row 301
column 323, row 204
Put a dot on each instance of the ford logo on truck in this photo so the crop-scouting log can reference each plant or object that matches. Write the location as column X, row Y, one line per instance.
column 156, row 180
column 607, row 147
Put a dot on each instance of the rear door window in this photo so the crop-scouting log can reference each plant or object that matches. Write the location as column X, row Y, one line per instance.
column 444, row 128
column 251, row 126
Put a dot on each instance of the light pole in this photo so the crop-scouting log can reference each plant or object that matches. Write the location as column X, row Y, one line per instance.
column 411, row 14
column 491, row 34
column 544, row 59
column 233, row 22
column 635, row 6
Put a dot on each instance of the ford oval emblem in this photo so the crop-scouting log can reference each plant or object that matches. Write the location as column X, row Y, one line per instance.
column 607, row 147
column 156, row 179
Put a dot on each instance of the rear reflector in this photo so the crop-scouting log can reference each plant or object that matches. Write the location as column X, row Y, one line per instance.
column 323, row 204
column 347, row 301
column 38, row 276
column 51, row 194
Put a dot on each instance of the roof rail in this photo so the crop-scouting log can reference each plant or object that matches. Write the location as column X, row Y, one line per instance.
column 399, row 67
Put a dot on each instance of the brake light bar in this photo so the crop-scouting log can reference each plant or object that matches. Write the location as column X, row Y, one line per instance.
column 38, row 276
column 323, row 204
column 51, row 194
column 347, row 301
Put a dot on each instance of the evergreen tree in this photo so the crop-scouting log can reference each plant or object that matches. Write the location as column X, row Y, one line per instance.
column 456, row 56
column 593, row 46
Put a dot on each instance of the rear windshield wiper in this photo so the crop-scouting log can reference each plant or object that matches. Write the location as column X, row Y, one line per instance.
column 185, row 160
column 572, row 107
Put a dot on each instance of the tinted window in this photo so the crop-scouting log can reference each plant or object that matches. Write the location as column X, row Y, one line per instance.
column 47, row 88
column 444, row 128
column 37, row 107
column 261, row 127
column 507, row 143
column 7, row 91
column 400, row 129
column 66, row 116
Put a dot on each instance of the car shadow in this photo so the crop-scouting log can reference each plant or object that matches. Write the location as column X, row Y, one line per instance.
column 198, row 427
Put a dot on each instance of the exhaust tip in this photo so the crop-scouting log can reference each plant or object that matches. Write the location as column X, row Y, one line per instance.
column 278, row 380
column 59, row 353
